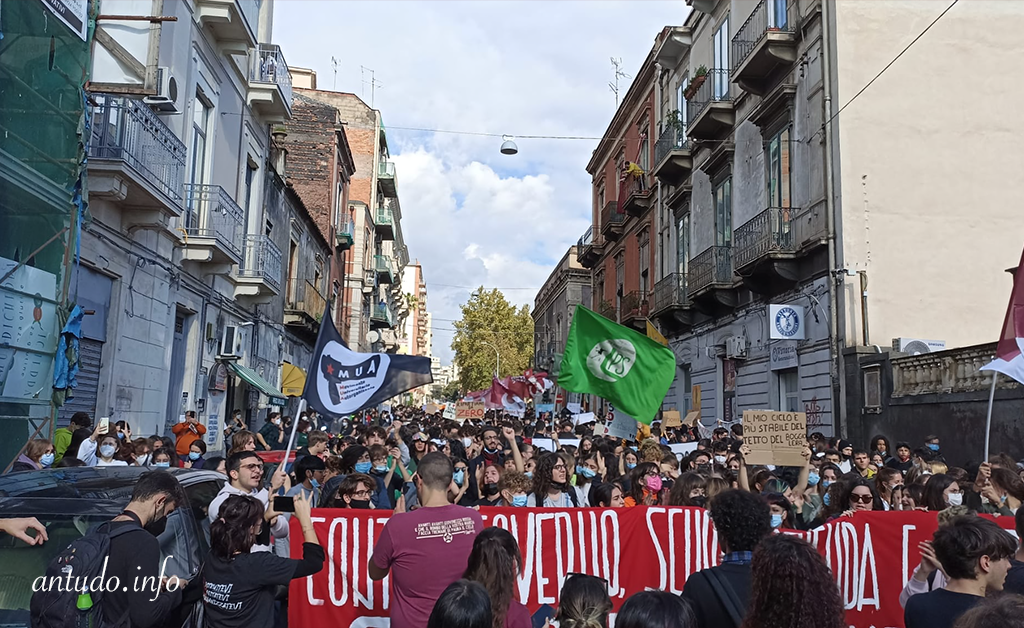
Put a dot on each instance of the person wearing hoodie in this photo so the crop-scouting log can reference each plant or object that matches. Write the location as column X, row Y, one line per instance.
column 38, row 455
column 100, row 449
column 62, row 437
column 245, row 476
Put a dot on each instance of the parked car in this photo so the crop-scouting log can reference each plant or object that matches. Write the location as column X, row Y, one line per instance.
column 71, row 501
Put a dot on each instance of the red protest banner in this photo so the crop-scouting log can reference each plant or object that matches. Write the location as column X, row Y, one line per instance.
column 872, row 555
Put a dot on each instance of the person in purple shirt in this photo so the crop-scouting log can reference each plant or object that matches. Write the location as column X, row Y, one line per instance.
column 435, row 539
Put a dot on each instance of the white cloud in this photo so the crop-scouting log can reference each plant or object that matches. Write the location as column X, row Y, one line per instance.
column 471, row 215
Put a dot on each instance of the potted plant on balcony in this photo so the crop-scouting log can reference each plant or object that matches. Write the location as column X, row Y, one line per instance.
column 698, row 79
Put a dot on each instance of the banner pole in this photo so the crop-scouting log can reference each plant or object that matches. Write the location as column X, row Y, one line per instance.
column 988, row 419
column 291, row 439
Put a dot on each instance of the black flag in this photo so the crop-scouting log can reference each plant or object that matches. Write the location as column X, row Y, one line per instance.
column 340, row 381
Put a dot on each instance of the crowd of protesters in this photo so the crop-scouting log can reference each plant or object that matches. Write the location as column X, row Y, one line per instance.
column 440, row 472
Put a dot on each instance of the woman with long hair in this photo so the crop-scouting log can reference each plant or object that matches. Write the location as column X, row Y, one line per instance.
column 38, row 454
column 488, row 478
column 589, row 471
column 495, row 562
column 941, row 492
column 792, row 587
column 606, row 496
column 244, row 582
column 100, row 450
column 583, row 603
column 551, row 487
column 858, row 494
column 242, row 440
column 1005, row 492
column 689, row 490
column 645, row 485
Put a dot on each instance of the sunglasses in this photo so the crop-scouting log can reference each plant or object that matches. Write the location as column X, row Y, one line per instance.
column 863, row 499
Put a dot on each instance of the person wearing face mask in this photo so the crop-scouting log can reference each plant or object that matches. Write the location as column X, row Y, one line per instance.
column 355, row 491
column 589, row 470
column 194, row 459
column 931, row 443
column 782, row 511
column 38, row 454
column 460, row 481
column 136, row 554
column 100, row 449
column 162, row 458
column 645, row 485
column 271, row 435
column 492, row 453
column 383, row 472
column 245, row 477
column 886, row 481
column 186, row 433
column 309, row 472
column 242, row 583
column 689, row 490
column 488, row 478
column 902, row 462
column 515, row 489
column 551, row 488
column 941, row 492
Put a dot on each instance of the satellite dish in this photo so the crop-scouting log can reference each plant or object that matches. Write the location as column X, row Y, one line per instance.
column 373, row 336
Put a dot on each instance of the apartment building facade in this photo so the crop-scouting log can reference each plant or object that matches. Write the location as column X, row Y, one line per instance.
column 567, row 286
column 759, row 194
column 414, row 337
column 190, row 218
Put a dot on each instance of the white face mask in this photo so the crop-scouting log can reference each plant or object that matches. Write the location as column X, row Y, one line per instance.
column 468, row 442
column 720, row 459
column 143, row 460
column 955, row 499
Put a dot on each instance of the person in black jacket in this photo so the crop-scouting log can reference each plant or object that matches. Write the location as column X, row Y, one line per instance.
column 719, row 595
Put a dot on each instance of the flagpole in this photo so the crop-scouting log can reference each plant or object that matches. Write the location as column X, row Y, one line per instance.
column 291, row 439
column 988, row 420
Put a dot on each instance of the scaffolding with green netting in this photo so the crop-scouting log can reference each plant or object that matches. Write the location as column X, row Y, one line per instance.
column 44, row 62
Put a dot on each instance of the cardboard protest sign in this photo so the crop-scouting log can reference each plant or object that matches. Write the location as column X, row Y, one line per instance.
column 670, row 418
column 431, row 408
column 691, row 418
column 470, row 410
column 775, row 438
column 449, row 412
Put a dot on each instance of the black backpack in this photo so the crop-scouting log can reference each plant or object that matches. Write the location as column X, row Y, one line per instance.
column 54, row 606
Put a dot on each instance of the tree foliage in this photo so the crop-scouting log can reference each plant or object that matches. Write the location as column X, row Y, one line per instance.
column 451, row 392
column 488, row 317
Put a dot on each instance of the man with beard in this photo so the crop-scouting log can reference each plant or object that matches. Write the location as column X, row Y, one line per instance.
column 492, row 454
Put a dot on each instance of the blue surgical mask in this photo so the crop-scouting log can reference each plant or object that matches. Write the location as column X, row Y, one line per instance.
column 363, row 467
column 529, row 474
column 630, row 465
column 812, row 479
column 314, row 483
column 459, row 476
column 381, row 468
column 825, row 498
column 776, row 521
column 120, row 435
column 825, row 484
column 107, row 451
column 519, row 500
column 194, row 455
column 163, row 465
column 933, row 446
column 586, row 472
column 46, row 460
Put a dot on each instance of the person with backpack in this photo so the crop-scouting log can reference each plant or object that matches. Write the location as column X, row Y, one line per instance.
column 125, row 548
column 719, row 595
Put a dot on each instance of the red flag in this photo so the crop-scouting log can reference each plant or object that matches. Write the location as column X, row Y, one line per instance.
column 518, row 386
column 1010, row 349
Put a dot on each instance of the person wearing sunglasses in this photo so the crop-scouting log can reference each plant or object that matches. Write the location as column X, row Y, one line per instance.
column 860, row 495
column 245, row 477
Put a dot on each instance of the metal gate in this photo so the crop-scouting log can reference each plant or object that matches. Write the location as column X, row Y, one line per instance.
column 89, row 362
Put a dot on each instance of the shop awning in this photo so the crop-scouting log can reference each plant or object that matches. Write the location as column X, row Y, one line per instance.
column 293, row 380
column 277, row 398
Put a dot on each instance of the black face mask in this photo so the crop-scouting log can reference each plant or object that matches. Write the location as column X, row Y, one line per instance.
column 698, row 501
column 561, row 486
column 490, row 489
column 156, row 527
column 360, row 504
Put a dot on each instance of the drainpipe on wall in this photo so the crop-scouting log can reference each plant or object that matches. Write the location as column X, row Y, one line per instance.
column 864, row 306
column 658, row 253
column 836, row 365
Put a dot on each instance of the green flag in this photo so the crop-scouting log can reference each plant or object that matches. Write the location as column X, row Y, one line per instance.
column 620, row 365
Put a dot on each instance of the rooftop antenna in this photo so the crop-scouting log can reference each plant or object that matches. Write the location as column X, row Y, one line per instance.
column 614, row 86
column 335, row 62
column 374, row 83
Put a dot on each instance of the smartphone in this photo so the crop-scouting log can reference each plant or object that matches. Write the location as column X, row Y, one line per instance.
column 104, row 425
column 284, row 504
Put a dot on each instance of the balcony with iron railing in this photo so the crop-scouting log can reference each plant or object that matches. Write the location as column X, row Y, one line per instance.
column 230, row 21
column 270, row 83
column 134, row 158
column 638, row 196
column 385, row 223
column 711, row 269
column 381, row 316
column 304, row 305
column 214, row 225
column 670, row 295
column 385, row 269
column 634, row 309
column 589, row 248
column 613, row 224
column 345, row 235
column 763, row 46
column 607, row 309
column 673, row 161
column 710, row 108
column 259, row 274
column 387, row 178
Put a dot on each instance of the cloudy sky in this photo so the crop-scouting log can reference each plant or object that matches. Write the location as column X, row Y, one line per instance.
column 471, row 215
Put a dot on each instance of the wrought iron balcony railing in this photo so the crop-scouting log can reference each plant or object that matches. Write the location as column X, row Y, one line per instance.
column 768, row 15
column 714, row 88
column 269, row 66
column 672, row 138
column 211, row 213
column 713, row 266
column 262, row 260
column 768, row 232
column 670, row 293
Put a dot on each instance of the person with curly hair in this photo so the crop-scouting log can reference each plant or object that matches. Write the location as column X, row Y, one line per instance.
column 742, row 520
column 496, row 562
column 793, row 587
column 583, row 603
column 551, row 487
column 975, row 555
column 1004, row 611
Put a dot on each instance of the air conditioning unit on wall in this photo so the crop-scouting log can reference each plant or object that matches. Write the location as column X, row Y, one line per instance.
column 736, row 347
column 166, row 98
column 231, row 342
column 917, row 346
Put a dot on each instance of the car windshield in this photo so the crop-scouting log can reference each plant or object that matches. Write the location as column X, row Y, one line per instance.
column 20, row 564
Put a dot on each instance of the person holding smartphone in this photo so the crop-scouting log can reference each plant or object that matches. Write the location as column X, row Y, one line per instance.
column 239, row 585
